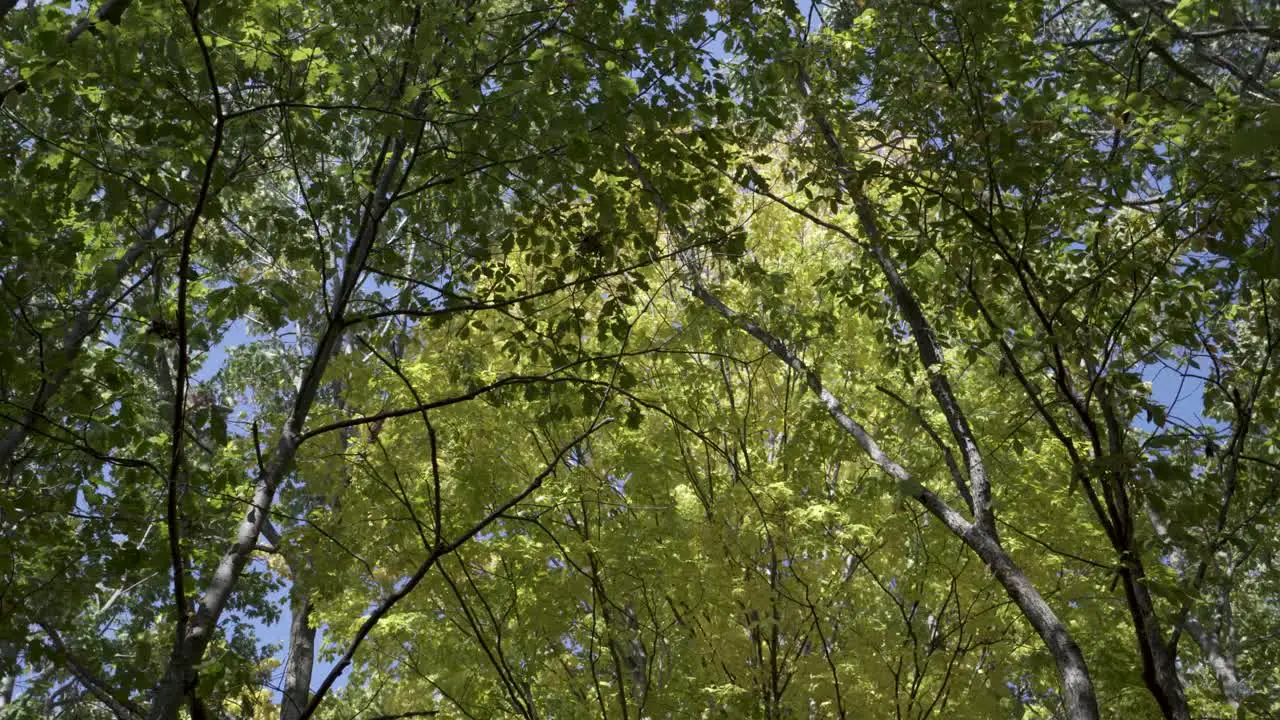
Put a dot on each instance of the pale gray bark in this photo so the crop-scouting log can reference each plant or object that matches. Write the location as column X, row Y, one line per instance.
column 1220, row 659
column 302, row 646
column 1078, row 693
column 1077, row 686
column 930, row 353
column 180, row 670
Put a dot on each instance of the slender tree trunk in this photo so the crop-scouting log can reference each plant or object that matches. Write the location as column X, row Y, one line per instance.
column 1077, row 686
column 636, row 659
column 1221, row 659
column 180, row 672
column 302, row 647
column 1158, row 670
column 1222, row 662
column 9, row 655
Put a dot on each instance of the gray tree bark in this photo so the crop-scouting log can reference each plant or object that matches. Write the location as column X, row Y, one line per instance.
column 1078, row 693
column 302, row 646
column 9, row 654
column 179, row 675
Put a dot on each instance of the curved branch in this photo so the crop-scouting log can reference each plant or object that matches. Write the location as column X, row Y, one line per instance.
column 441, row 550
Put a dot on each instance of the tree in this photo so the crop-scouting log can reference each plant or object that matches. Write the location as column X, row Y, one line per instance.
column 636, row 360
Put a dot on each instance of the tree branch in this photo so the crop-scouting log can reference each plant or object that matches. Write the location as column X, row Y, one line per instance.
column 84, row 324
column 386, row 605
column 183, row 359
column 122, row 708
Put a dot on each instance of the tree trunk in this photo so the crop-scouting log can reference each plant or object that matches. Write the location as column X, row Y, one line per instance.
column 1158, row 670
column 180, row 672
column 1077, row 686
column 302, row 650
column 9, row 671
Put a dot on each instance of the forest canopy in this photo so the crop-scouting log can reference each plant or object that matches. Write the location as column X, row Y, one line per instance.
column 639, row 360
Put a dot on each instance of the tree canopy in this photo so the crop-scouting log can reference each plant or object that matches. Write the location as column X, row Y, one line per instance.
column 650, row 359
